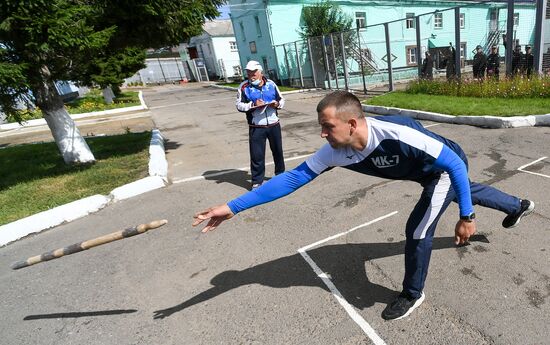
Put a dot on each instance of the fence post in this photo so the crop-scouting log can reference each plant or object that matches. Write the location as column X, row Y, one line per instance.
column 312, row 64
column 298, row 64
column 539, row 36
column 361, row 59
column 458, row 68
column 418, row 47
column 325, row 57
column 287, row 66
column 509, row 37
column 178, row 67
column 160, row 65
column 334, row 60
column 344, row 60
column 388, row 55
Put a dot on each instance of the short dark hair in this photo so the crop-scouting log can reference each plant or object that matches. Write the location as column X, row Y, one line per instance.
column 344, row 102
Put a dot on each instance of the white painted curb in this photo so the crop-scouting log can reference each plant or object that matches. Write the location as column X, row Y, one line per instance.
column 481, row 121
column 40, row 122
column 65, row 213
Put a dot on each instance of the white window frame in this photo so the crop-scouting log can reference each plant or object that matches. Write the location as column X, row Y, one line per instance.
column 361, row 19
column 438, row 20
column 410, row 52
column 462, row 20
column 410, row 22
column 233, row 46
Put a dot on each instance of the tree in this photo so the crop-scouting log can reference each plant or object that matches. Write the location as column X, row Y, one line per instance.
column 43, row 41
column 319, row 21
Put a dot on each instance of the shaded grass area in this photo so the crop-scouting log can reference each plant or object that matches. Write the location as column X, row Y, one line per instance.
column 281, row 88
column 473, row 106
column 35, row 177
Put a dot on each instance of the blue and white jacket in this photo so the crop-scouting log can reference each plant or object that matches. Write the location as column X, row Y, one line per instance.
column 248, row 94
column 398, row 148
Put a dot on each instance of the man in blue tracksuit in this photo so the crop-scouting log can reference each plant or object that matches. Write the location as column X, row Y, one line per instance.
column 260, row 99
column 392, row 147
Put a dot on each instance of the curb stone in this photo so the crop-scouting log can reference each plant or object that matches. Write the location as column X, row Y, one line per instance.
column 158, row 171
column 480, row 121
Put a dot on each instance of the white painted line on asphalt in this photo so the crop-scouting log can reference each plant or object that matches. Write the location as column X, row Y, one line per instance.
column 184, row 103
column 432, row 125
column 358, row 319
column 530, row 172
column 231, row 171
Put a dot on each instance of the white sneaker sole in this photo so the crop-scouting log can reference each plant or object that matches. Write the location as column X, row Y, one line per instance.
column 527, row 212
column 414, row 306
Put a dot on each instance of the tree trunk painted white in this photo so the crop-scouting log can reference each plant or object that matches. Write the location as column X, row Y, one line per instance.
column 108, row 95
column 70, row 142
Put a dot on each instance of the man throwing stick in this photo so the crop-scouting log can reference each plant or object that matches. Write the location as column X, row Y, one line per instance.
column 391, row 147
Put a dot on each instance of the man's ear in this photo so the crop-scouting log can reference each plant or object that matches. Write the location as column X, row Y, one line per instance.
column 352, row 125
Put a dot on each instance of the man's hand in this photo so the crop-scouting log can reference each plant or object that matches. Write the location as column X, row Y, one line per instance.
column 274, row 104
column 463, row 231
column 216, row 214
column 259, row 102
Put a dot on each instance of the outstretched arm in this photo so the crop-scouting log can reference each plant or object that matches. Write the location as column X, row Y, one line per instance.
column 273, row 189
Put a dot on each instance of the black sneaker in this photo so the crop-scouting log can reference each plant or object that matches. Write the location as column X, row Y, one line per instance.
column 402, row 307
column 512, row 220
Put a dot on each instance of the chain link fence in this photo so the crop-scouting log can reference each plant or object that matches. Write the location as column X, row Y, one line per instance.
column 432, row 45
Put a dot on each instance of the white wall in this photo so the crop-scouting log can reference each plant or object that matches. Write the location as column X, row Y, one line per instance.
column 223, row 51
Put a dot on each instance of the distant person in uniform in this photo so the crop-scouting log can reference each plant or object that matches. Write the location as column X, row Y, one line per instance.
column 529, row 60
column 517, row 61
column 260, row 99
column 427, row 67
column 480, row 63
column 450, row 70
column 493, row 63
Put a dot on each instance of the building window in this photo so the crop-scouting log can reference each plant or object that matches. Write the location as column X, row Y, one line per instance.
column 242, row 31
column 410, row 22
column 462, row 20
column 252, row 46
column 233, row 46
column 411, row 55
column 516, row 19
column 258, row 29
column 462, row 53
column 438, row 20
column 264, row 61
column 361, row 19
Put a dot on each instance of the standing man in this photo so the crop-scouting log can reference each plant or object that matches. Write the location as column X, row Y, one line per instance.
column 517, row 60
column 529, row 59
column 480, row 62
column 493, row 63
column 428, row 67
column 450, row 70
column 391, row 147
column 260, row 99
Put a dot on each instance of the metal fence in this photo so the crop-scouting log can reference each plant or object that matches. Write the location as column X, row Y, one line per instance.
column 160, row 70
column 438, row 44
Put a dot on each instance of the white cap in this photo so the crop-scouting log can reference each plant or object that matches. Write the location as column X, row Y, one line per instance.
column 253, row 65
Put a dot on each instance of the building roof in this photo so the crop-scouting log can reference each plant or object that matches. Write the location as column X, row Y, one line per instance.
column 218, row 27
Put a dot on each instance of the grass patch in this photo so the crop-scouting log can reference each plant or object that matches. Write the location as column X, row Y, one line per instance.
column 35, row 178
column 281, row 88
column 92, row 101
column 473, row 106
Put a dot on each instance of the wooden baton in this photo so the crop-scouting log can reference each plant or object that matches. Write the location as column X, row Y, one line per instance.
column 78, row 247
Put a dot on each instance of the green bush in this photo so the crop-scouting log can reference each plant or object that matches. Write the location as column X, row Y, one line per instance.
column 506, row 88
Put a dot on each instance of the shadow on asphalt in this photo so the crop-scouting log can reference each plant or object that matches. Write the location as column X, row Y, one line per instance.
column 344, row 263
column 79, row 314
column 239, row 178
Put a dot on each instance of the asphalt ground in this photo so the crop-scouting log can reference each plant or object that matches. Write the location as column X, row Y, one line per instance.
column 252, row 281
